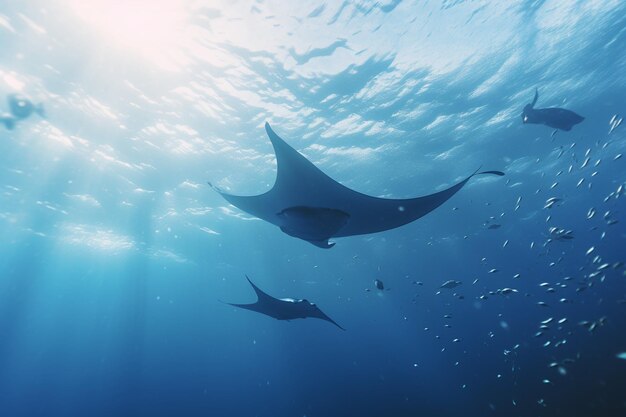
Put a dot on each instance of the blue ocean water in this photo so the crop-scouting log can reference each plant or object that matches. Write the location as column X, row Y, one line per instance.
column 118, row 258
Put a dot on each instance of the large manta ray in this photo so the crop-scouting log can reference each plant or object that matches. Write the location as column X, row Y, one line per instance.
column 284, row 308
column 307, row 204
column 553, row 117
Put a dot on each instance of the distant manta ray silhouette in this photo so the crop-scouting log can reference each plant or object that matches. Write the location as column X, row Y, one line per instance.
column 307, row 204
column 284, row 308
column 553, row 117
column 21, row 108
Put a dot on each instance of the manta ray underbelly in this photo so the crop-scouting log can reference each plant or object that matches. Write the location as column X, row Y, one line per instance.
column 314, row 224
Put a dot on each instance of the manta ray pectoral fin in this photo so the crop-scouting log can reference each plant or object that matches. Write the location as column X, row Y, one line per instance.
column 535, row 99
column 498, row 173
column 319, row 314
column 40, row 110
column 262, row 296
column 215, row 187
column 9, row 122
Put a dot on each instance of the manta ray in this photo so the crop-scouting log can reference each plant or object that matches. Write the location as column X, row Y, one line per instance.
column 284, row 308
column 307, row 204
column 553, row 117
column 21, row 108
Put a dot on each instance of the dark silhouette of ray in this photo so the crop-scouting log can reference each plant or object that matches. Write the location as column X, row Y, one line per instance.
column 284, row 308
column 308, row 204
column 553, row 117
column 21, row 108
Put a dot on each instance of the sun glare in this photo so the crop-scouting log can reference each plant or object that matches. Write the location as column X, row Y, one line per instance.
column 153, row 28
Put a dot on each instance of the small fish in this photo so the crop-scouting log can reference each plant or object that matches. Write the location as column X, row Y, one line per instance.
column 591, row 249
column 618, row 156
column 547, row 321
column 621, row 355
column 593, row 325
column 580, row 182
column 507, row 290
column 560, row 234
column 614, row 123
column 542, row 304
column 379, row 284
column 594, row 274
column 552, row 200
column 585, row 163
column 451, row 284
column 491, row 271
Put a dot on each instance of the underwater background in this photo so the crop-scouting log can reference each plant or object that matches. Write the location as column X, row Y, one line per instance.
column 117, row 258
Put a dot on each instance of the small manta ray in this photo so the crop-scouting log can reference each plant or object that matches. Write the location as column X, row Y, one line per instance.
column 553, row 117
column 21, row 108
column 307, row 204
column 284, row 308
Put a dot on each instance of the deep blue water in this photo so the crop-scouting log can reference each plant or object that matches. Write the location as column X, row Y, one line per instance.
column 116, row 253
